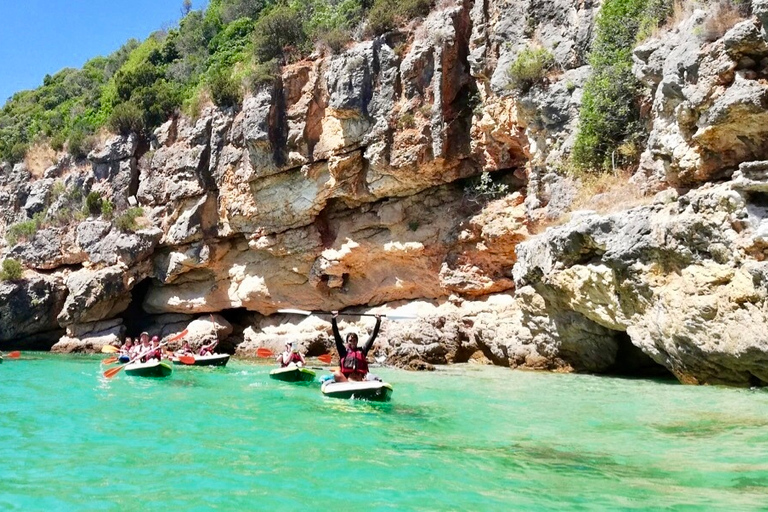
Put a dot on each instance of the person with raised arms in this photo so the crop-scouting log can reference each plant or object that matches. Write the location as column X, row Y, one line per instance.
column 354, row 365
column 290, row 355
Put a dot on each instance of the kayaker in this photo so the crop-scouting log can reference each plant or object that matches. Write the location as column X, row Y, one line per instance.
column 354, row 365
column 144, row 349
column 291, row 355
column 156, row 352
column 127, row 347
column 185, row 350
column 207, row 350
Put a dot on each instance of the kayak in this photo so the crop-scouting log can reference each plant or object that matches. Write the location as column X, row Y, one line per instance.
column 292, row 374
column 152, row 368
column 211, row 360
column 373, row 390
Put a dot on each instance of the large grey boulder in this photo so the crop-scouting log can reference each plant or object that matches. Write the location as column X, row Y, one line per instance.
column 30, row 306
column 119, row 147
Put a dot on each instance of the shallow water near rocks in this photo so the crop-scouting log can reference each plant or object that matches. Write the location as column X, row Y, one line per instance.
column 464, row 437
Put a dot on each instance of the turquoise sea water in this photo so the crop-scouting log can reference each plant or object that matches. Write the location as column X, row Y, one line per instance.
column 462, row 438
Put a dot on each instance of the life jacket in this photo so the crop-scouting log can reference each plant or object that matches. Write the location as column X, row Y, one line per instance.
column 354, row 362
column 293, row 358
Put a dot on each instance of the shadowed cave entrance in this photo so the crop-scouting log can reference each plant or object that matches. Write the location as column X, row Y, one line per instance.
column 634, row 363
column 134, row 317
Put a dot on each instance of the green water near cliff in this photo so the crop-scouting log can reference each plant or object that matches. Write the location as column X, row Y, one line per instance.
column 462, row 438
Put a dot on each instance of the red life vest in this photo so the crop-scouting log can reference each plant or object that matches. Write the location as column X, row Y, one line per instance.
column 354, row 362
column 294, row 358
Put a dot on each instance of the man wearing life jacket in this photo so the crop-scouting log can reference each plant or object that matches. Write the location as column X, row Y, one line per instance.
column 354, row 365
column 291, row 355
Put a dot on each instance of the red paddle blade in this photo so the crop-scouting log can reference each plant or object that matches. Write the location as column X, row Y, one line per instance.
column 264, row 352
column 14, row 355
column 109, row 360
column 187, row 359
column 178, row 336
column 113, row 371
column 326, row 358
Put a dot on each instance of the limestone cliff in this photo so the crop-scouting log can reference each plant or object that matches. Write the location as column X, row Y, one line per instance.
column 350, row 184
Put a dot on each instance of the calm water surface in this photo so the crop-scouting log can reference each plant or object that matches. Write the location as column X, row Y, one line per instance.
column 462, row 438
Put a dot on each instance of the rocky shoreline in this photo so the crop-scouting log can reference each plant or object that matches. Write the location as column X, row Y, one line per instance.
column 353, row 184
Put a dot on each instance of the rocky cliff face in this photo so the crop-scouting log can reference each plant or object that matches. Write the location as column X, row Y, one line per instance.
column 350, row 184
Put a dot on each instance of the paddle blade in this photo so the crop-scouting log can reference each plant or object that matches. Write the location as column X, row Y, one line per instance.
column 264, row 352
column 295, row 311
column 178, row 336
column 109, row 360
column 187, row 359
column 326, row 358
column 401, row 317
column 109, row 349
column 113, row 371
column 14, row 355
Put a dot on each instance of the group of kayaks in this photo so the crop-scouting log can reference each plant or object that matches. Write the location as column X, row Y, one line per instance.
column 164, row 367
column 372, row 390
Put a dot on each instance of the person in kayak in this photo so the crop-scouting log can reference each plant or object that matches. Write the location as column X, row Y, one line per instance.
column 354, row 365
column 156, row 353
column 127, row 348
column 144, row 348
column 207, row 350
column 185, row 350
column 291, row 355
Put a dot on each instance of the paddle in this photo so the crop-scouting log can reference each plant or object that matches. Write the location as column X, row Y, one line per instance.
column 114, row 371
column 307, row 313
column 110, row 360
column 109, row 349
column 187, row 359
column 265, row 352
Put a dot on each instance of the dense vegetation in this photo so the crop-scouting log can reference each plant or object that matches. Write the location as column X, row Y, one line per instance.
column 219, row 53
column 610, row 129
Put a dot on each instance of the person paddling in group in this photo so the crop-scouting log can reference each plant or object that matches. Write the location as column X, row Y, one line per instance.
column 207, row 350
column 291, row 355
column 156, row 353
column 354, row 365
column 144, row 349
column 127, row 348
column 185, row 350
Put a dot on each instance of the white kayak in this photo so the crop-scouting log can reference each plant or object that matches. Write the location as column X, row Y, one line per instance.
column 209, row 360
column 373, row 390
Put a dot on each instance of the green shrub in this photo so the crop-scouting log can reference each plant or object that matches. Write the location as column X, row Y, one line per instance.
column 57, row 141
column 127, row 221
column 225, row 91
column 386, row 15
column 107, row 209
column 11, row 270
column 530, row 67
column 80, row 144
column 335, row 39
column 264, row 74
column 276, row 32
column 482, row 189
column 18, row 152
column 93, row 203
column 610, row 113
column 126, row 118
column 406, row 121
column 23, row 231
